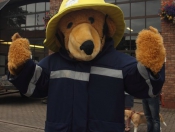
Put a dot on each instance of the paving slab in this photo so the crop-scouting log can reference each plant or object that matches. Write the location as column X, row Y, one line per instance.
column 19, row 114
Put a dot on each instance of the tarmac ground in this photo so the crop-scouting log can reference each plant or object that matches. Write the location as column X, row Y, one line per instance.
column 19, row 114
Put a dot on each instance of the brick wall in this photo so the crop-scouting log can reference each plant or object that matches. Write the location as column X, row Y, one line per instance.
column 54, row 6
column 168, row 33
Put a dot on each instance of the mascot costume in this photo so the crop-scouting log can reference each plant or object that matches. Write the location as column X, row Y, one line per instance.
column 86, row 77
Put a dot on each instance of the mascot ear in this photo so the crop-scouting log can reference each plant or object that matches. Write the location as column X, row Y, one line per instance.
column 15, row 36
column 111, row 27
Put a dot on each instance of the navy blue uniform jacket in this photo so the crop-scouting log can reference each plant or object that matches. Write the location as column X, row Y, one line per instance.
column 87, row 96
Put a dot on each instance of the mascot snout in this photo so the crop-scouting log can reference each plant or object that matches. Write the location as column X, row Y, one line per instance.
column 88, row 47
column 84, row 42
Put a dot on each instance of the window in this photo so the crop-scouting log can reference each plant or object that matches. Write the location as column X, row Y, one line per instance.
column 138, row 14
column 138, row 9
column 23, row 7
column 27, row 20
column 40, row 6
column 128, row 27
column 31, row 8
column 155, row 22
column 110, row 1
column 30, row 20
column 47, row 6
column 152, row 7
column 122, row 0
column 126, row 9
column 137, row 25
column 39, row 18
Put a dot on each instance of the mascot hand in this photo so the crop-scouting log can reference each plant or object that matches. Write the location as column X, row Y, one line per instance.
column 19, row 53
column 150, row 49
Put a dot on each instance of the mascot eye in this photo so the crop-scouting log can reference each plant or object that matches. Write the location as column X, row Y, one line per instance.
column 69, row 25
column 91, row 19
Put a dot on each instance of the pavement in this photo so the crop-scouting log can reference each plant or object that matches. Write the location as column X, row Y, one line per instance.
column 19, row 114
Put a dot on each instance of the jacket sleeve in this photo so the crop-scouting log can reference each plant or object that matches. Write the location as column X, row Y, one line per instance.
column 140, row 83
column 32, row 81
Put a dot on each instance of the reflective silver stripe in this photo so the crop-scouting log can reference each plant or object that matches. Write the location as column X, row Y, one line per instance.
column 144, row 73
column 82, row 76
column 126, row 93
column 33, row 81
column 107, row 72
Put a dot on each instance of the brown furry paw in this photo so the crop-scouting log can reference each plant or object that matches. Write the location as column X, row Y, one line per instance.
column 19, row 53
column 150, row 49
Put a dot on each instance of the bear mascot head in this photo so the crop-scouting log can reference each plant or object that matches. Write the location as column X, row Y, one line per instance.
column 86, row 77
column 81, row 27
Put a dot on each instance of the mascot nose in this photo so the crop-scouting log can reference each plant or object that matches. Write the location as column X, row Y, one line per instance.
column 88, row 47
